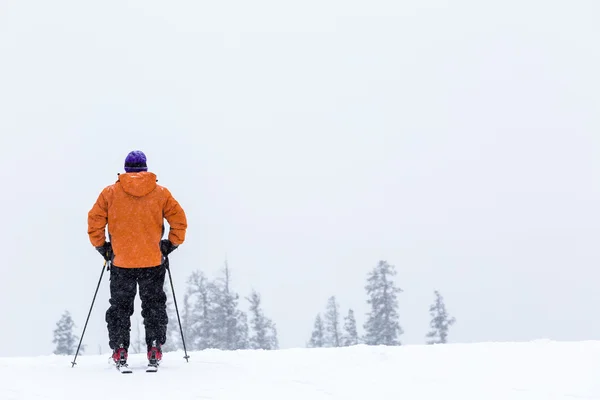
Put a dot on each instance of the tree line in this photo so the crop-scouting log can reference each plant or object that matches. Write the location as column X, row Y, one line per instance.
column 213, row 317
column 382, row 326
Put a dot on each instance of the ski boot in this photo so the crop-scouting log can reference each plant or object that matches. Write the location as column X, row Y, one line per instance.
column 120, row 358
column 154, row 357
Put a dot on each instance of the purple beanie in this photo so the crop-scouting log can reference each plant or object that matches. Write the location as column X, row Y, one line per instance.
column 135, row 162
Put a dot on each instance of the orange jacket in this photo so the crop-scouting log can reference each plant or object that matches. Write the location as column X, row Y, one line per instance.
column 134, row 208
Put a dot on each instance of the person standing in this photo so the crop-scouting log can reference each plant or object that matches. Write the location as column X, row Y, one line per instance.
column 134, row 209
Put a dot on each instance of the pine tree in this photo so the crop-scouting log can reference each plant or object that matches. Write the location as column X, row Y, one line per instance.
column 317, row 338
column 440, row 322
column 264, row 331
column 350, row 331
column 186, row 316
column 333, row 336
column 382, row 326
column 199, row 313
column 66, row 342
column 231, row 324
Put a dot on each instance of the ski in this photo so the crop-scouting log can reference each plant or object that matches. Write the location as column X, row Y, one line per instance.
column 124, row 369
column 152, row 367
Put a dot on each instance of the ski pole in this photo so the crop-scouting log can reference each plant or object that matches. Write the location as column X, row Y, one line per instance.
column 106, row 264
column 177, row 309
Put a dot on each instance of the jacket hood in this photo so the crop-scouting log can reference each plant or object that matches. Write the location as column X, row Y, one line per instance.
column 138, row 184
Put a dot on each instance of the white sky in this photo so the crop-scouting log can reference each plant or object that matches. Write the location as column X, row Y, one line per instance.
column 307, row 140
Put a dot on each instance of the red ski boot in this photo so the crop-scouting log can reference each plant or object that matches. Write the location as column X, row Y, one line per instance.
column 154, row 357
column 120, row 358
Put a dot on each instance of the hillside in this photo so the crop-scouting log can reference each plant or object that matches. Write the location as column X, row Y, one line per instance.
column 485, row 371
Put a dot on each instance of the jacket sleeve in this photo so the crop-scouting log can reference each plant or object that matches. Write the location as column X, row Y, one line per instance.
column 97, row 220
column 176, row 218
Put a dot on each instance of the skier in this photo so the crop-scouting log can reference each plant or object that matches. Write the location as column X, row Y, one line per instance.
column 133, row 208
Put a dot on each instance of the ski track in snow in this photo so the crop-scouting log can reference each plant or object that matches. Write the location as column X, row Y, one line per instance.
column 484, row 371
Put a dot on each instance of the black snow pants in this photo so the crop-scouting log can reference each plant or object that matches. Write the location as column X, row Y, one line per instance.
column 123, row 286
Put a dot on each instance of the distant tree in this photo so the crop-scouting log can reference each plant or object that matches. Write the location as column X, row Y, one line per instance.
column 264, row 333
column 199, row 313
column 317, row 338
column 382, row 326
column 333, row 336
column 440, row 321
column 230, row 323
column 186, row 316
column 350, row 331
column 66, row 342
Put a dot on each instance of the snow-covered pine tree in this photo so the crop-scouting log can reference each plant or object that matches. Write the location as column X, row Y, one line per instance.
column 66, row 342
column 317, row 338
column 440, row 321
column 199, row 313
column 333, row 337
column 382, row 326
column 350, row 332
column 264, row 332
column 186, row 315
column 231, row 324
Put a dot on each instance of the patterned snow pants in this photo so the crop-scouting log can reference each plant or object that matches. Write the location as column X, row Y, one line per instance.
column 123, row 287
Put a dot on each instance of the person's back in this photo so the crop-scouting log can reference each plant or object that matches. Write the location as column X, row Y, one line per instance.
column 134, row 208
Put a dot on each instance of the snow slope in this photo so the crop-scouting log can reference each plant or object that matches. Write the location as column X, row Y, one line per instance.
column 487, row 371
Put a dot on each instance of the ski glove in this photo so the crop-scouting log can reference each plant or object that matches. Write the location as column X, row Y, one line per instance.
column 105, row 251
column 166, row 247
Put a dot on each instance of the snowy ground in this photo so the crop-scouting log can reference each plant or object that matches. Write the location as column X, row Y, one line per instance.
column 487, row 371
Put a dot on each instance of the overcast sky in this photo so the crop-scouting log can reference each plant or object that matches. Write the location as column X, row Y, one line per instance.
column 307, row 140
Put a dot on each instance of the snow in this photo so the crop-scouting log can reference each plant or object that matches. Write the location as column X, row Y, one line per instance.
column 484, row 371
